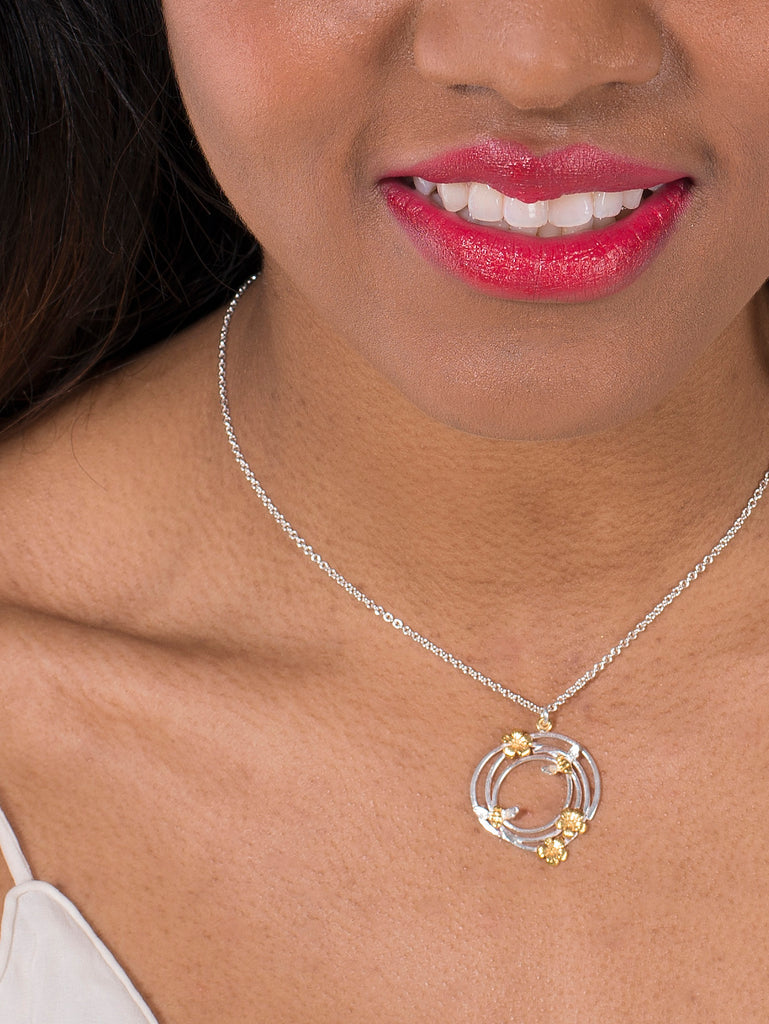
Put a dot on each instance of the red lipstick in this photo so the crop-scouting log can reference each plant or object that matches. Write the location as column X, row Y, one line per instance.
column 516, row 266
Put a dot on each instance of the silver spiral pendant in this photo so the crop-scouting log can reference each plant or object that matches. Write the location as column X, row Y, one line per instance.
column 559, row 756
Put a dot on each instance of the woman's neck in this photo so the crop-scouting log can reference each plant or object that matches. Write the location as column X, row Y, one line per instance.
column 426, row 514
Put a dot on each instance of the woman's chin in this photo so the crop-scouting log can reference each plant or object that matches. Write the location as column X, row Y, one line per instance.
column 516, row 398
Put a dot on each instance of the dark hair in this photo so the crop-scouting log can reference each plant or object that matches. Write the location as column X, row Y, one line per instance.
column 113, row 233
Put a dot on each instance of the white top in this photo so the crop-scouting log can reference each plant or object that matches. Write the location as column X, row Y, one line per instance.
column 53, row 967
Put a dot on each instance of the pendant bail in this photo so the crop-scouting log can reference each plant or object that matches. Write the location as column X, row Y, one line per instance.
column 543, row 722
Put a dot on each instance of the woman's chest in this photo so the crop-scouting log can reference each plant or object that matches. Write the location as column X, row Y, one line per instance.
column 394, row 921
column 314, row 855
column 339, row 883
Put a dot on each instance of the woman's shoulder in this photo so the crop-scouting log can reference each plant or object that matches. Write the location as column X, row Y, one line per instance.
column 100, row 528
column 124, row 601
column 92, row 493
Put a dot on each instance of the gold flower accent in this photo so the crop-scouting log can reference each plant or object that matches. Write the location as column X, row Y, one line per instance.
column 517, row 744
column 496, row 818
column 563, row 765
column 572, row 823
column 544, row 724
column 553, row 851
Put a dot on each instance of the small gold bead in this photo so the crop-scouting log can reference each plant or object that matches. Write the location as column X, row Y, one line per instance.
column 544, row 724
column 563, row 765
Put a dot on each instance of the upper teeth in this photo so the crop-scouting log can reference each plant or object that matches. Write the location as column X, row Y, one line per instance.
column 478, row 202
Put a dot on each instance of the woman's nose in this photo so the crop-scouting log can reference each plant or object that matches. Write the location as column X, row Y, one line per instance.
column 537, row 54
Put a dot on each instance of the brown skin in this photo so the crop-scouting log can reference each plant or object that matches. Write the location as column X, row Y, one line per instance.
column 253, row 790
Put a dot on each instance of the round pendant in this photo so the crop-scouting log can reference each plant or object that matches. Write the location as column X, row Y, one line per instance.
column 559, row 756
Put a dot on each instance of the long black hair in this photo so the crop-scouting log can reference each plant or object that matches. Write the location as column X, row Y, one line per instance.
column 113, row 233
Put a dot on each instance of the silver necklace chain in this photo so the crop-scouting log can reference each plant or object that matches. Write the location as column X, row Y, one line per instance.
column 543, row 710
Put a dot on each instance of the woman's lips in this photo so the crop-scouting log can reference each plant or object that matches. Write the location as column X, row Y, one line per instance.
column 509, row 265
column 512, row 265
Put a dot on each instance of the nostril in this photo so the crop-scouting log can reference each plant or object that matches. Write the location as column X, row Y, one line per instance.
column 470, row 90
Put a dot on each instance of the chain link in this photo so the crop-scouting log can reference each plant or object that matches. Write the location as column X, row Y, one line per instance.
column 543, row 710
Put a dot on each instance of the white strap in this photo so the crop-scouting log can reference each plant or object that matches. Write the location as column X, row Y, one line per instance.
column 11, row 851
